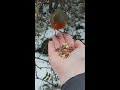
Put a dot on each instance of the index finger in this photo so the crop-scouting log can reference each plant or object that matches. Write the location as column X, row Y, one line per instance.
column 51, row 47
column 68, row 39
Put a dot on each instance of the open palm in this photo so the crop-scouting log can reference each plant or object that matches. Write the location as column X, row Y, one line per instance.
column 68, row 67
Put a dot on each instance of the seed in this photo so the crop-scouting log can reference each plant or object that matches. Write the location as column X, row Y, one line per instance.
column 67, row 46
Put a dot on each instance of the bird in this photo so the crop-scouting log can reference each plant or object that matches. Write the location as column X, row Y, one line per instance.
column 58, row 19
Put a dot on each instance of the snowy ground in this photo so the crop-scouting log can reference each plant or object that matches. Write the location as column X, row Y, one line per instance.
column 45, row 78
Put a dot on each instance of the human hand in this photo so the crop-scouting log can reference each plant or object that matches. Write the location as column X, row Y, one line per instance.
column 71, row 66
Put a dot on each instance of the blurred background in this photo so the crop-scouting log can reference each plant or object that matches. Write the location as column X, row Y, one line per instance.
column 45, row 77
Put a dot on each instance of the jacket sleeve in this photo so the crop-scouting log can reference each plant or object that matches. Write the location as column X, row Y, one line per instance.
column 75, row 83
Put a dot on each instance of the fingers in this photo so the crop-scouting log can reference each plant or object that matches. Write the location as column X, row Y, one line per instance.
column 56, row 42
column 68, row 39
column 60, row 38
column 51, row 47
column 51, row 52
column 78, row 43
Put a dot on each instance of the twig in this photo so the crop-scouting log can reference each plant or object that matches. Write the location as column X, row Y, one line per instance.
column 41, row 59
column 42, row 67
column 45, row 81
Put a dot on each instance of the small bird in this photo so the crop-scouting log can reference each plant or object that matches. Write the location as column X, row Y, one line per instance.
column 58, row 19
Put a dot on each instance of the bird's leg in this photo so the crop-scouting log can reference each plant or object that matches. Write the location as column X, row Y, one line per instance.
column 52, row 32
column 61, row 31
column 55, row 33
column 65, row 31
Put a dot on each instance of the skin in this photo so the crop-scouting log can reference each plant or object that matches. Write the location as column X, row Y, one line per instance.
column 71, row 66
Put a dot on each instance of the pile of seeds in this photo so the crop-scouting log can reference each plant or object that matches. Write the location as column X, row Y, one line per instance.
column 64, row 50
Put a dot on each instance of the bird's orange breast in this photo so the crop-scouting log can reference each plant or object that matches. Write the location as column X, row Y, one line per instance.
column 58, row 25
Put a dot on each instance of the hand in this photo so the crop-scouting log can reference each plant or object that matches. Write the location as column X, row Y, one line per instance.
column 71, row 66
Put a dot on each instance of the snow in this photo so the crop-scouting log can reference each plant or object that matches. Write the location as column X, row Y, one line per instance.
column 82, row 35
column 80, row 30
column 37, row 84
column 50, row 32
column 83, row 24
column 46, row 33
column 44, row 8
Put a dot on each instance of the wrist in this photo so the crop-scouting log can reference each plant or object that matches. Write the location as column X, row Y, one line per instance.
column 64, row 78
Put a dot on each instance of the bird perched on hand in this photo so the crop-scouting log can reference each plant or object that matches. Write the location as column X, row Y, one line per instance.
column 58, row 19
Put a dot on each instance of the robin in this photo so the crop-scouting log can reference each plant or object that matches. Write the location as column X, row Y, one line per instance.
column 58, row 19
